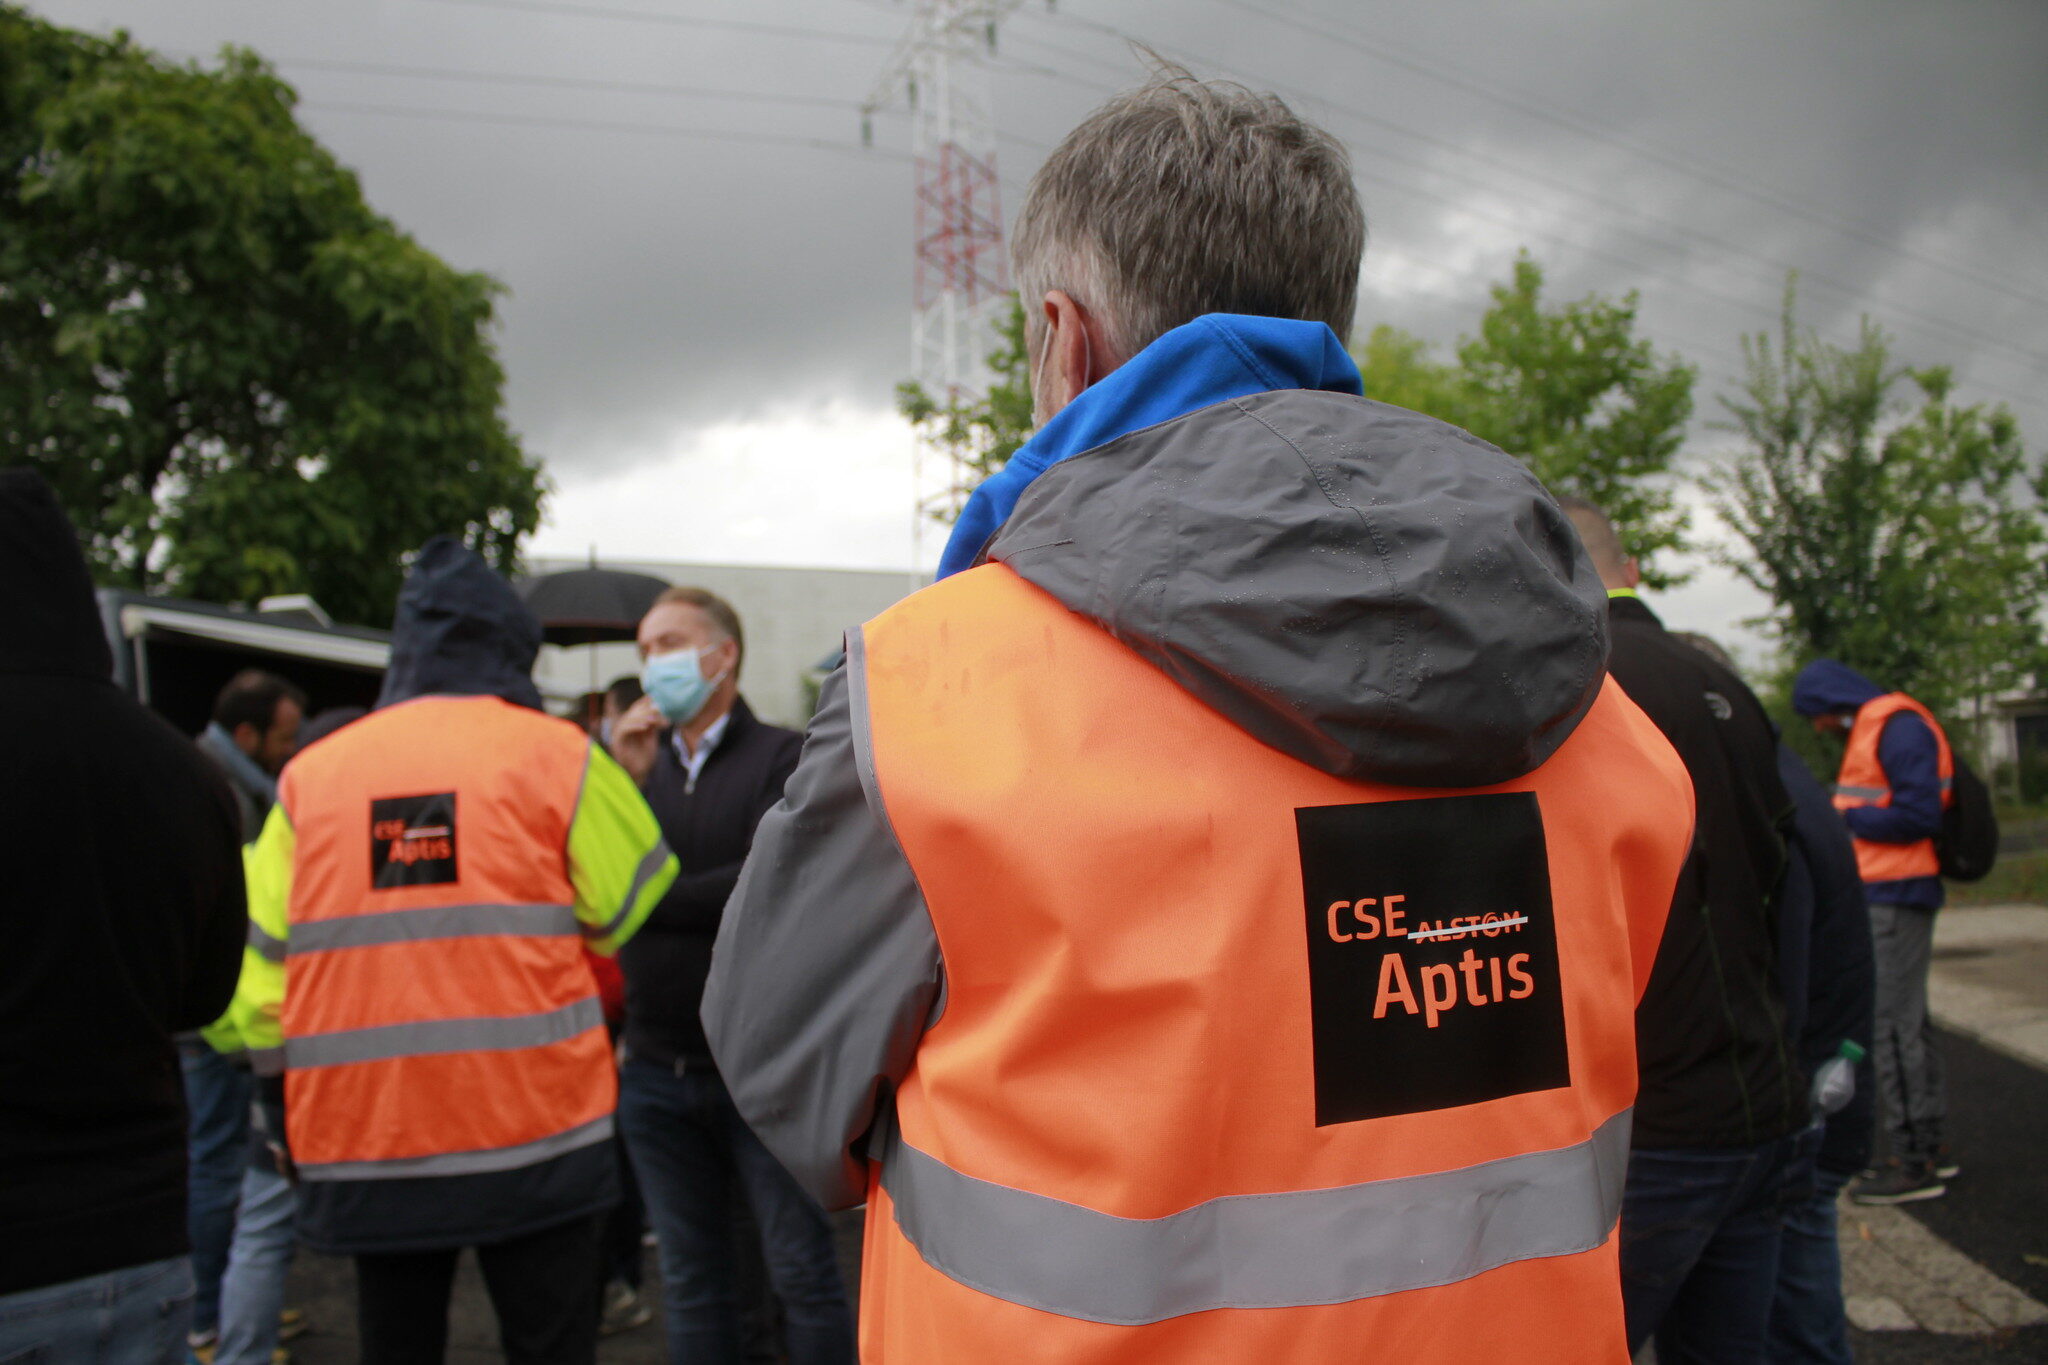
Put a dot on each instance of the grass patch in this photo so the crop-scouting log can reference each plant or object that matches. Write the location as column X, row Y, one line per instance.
column 2015, row 877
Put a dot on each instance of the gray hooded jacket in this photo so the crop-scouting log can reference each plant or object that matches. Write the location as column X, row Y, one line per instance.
column 1368, row 590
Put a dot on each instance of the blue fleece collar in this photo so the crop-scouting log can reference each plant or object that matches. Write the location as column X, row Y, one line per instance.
column 1217, row 357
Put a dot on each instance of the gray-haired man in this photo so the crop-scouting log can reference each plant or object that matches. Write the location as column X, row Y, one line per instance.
column 1020, row 959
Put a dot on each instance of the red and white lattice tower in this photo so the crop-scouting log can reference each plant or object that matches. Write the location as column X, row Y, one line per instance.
column 962, row 269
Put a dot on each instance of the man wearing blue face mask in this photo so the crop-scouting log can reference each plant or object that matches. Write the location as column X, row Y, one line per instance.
column 710, row 770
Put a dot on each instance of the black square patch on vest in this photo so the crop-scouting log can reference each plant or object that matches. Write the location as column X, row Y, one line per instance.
column 412, row 840
column 1432, row 954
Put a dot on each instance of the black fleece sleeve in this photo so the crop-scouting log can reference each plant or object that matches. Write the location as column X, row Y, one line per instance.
column 221, row 918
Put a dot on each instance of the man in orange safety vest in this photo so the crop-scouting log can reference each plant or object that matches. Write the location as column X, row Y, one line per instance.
column 1207, row 924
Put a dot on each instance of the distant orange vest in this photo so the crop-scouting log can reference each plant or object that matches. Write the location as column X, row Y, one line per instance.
column 1183, row 971
column 1862, row 782
column 439, row 1018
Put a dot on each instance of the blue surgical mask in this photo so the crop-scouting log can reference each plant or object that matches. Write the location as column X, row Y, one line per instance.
column 677, row 684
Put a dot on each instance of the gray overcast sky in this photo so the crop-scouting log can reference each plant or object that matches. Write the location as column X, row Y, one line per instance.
column 703, row 332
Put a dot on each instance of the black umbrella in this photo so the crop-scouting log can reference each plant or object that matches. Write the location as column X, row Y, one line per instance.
column 590, row 606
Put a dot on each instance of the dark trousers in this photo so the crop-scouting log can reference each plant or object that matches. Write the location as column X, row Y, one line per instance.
column 1809, row 1325
column 624, row 1226
column 217, row 1096
column 1908, row 1058
column 1699, row 1250
column 543, row 1286
column 690, row 1149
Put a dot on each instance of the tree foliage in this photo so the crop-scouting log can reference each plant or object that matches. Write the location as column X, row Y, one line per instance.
column 1894, row 528
column 979, row 434
column 238, row 377
column 1569, row 388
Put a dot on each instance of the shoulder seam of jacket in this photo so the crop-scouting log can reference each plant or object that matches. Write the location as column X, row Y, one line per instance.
column 862, row 740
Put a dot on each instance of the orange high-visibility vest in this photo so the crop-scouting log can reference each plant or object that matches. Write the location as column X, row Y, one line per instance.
column 439, row 1018
column 1862, row 782
column 1237, row 1060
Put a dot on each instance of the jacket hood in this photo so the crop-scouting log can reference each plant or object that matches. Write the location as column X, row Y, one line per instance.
column 1216, row 357
column 1824, row 685
column 461, row 630
column 1369, row 590
column 49, row 619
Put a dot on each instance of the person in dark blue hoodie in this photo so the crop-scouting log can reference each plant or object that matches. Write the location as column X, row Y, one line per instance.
column 1891, row 790
column 1824, row 964
column 432, row 872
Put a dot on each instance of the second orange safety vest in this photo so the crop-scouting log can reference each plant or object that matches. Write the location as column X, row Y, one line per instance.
column 1237, row 1060
column 1862, row 782
column 439, row 1018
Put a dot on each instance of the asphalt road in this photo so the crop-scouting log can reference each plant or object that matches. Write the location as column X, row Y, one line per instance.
column 1996, row 1211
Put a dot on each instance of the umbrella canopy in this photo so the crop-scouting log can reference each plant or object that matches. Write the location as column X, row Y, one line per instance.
column 590, row 606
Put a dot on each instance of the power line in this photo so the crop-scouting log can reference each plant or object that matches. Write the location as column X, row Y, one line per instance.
column 560, row 82
column 681, row 20
column 1690, row 165
column 1959, row 329
column 1726, row 368
column 576, row 83
column 601, row 126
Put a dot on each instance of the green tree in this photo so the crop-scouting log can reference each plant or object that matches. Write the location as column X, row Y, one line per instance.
column 238, row 377
column 980, row 434
column 1569, row 388
column 1892, row 527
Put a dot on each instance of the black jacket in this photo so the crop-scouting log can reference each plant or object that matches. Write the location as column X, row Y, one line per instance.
column 1825, row 962
column 709, row 828
column 123, row 924
column 1711, row 1043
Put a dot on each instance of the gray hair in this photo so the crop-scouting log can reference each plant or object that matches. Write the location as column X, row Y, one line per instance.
column 1187, row 197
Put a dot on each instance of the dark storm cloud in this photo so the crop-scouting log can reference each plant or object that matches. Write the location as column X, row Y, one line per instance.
column 661, row 283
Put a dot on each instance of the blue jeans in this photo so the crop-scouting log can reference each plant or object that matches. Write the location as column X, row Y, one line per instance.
column 1699, row 1250
column 690, row 1147
column 136, row 1316
column 1808, row 1323
column 252, row 1291
column 217, row 1096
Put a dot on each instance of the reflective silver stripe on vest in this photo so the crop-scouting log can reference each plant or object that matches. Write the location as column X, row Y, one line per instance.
column 490, row 1033
column 656, row 859
column 263, row 945
column 465, row 1163
column 1285, row 1250
column 1862, row 793
column 430, row 922
column 267, row 1061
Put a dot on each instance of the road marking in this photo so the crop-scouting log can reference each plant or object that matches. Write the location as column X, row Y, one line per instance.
column 1898, row 1276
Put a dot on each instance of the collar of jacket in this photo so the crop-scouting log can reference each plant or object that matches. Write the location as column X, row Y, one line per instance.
column 1215, row 358
column 738, row 721
column 1632, row 608
column 247, row 772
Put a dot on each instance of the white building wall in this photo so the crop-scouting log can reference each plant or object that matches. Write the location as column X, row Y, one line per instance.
column 793, row 619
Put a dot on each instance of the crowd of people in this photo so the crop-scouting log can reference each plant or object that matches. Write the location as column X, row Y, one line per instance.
column 1281, row 895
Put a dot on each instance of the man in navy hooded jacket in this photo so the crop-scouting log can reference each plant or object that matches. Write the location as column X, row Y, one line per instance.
column 1909, row 753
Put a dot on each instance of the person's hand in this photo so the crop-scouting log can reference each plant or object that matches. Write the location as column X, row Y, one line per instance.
column 635, row 738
